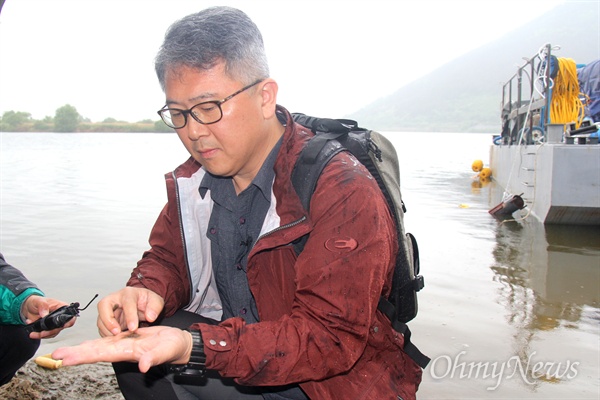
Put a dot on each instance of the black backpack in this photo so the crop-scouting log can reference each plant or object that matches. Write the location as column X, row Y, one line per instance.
column 378, row 155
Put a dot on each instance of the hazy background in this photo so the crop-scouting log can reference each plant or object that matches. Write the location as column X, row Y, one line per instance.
column 331, row 58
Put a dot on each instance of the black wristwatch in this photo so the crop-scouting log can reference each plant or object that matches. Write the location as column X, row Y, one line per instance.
column 194, row 370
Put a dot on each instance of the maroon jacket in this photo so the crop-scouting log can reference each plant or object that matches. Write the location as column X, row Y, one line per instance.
column 319, row 321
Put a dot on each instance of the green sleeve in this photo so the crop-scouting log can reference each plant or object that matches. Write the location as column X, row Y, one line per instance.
column 10, row 305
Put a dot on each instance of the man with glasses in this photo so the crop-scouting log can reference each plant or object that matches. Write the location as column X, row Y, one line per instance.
column 235, row 312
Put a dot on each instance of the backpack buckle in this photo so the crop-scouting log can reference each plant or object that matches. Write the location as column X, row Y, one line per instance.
column 418, row 283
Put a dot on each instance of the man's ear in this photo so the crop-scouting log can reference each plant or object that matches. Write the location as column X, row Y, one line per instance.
column 269, row 90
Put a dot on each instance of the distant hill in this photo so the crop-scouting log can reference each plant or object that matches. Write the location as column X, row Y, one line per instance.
column 465, row 94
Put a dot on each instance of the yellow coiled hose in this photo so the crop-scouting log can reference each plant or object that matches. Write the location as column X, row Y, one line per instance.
column 566, row 106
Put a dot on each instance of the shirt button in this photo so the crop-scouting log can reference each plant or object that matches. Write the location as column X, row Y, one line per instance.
column 222, row 343
column 212, row 342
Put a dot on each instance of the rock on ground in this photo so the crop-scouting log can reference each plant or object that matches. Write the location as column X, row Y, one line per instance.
column 32, row 382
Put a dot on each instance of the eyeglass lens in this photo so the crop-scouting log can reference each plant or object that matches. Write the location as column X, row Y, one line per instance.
column 205, row 113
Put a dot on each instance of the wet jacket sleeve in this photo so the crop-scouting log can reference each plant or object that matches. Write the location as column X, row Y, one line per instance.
column 14, row 290
column 162, row 268
column 337, row 284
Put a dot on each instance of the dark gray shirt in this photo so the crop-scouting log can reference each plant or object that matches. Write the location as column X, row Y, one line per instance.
column 234, row 227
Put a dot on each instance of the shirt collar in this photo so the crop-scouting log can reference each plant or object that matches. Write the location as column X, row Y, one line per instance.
column 263, row 179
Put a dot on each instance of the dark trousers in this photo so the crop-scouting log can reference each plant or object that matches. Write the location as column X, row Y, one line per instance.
column 15, row 349
column 157, row 384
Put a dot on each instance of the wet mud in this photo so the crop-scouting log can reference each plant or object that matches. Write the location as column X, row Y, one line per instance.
column 33, row 382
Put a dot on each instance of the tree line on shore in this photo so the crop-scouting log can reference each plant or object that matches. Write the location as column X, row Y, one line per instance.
column 67, row 119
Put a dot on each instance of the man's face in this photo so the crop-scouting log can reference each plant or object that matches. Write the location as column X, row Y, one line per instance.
column 234, row 146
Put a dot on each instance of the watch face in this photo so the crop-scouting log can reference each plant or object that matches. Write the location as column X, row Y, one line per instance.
column 196, row 366
column 189, row 377
column 192, row 372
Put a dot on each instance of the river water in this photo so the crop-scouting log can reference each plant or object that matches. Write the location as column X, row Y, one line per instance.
column 509, row 310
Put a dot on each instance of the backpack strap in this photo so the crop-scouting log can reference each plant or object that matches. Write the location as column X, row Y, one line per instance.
column 324, row 125
column 409, row 347
column 314, row 157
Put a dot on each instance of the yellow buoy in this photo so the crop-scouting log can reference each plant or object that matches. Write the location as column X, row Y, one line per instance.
column 477, row 165
column 485, row 174
column 476, row 184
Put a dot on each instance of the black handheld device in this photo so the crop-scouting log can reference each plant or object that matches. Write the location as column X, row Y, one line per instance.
column 57, row 318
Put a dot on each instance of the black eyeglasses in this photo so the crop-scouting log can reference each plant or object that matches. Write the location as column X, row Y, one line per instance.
column 206, row 113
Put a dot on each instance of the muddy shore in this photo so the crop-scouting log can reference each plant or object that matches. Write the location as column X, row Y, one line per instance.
column 33, row 382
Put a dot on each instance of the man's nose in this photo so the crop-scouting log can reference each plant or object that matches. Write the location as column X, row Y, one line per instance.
column 195, row 130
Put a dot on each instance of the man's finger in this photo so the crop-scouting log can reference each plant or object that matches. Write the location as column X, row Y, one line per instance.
column 154, row 306
column 130, row 308
column 102, row 329
column 108, row 349
column 107, row 323
column 75, row 355
column 145, row 363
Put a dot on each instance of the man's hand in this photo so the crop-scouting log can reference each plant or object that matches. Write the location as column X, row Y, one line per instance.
column 36, row 307
column 123, row 310
column 149, row 347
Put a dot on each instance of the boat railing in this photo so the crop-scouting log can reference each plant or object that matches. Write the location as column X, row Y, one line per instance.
column 526, row 98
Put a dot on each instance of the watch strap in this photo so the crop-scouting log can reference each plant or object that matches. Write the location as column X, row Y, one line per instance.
column 196, row 367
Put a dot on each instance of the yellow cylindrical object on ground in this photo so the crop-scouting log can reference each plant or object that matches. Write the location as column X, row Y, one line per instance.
column 47, row 361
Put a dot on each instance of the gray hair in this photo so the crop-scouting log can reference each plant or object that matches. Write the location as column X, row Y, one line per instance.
column 215, row 34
